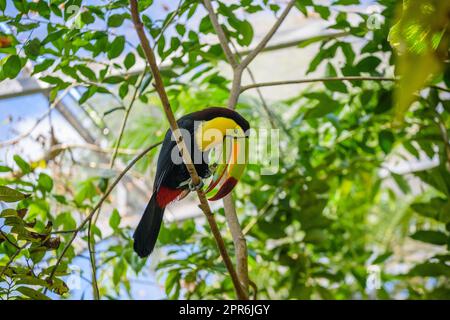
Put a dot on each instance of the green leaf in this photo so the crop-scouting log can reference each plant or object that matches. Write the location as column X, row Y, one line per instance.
column 368, row 64
column 32, row 281
column 87, row 72
column 119, row 271
column 430, row 269
column 401, row 182
column 116, row 20
column 114, row 220
column 33, row 294
column 437, row 177
column 338, row 86
column 21, row 5
column 324, row 106
column 43, row 9
column 116, row 47
column 12, row 66
column 386, row 140
column 53, row 36
column 45, row 182
column 123, row 90
column 144, row 4
column 345, row 2
column 5, row 169
column 172, row 279
column 181, row 29
column 323, row 11
column 65, row 220
column 430, row 236
column 113, row 79
column 43, row 66
column 85, row 191
column 3, row 5
column 129, row 61
column 436, row 208
column 10, row 195
column 385, row 102
column 420, row 38
column 245, row 33
column 59, row 287
column 23, row 165
column 33, row 47
column 87, row 17
column 87, row 94
column 382, row 258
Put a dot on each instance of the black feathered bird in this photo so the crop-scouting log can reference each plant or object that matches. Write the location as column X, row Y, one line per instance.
column 202, row 130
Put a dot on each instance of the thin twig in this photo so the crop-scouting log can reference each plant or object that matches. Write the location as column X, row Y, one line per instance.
column 287, row 82
column 159, row 86
column 125, row 119
column 11, row 259
column 266, row 108
column 5, row 236
column 91, row 249
column 38, row 121
column 93, row 219
column 298, row 42
column 268, row 36
column 100, row 202
column 91, row 147
column 440, row 88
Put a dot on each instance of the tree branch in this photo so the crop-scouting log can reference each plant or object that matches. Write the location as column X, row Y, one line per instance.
column 159, row 86
column 268, row 36
column 221, row 34
column 287, row 82
column 11, row 259
column 298, row 42
column 91, row 249
column 240, row 244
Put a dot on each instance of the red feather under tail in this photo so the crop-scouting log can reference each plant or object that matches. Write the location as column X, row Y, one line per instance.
column 166, row 195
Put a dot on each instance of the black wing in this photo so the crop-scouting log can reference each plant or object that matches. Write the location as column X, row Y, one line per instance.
column 165, row 166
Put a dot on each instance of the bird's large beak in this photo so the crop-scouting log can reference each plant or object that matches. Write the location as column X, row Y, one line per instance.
column 231, row 168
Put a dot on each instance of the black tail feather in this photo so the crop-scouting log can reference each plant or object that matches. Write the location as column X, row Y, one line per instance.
column 148, row 228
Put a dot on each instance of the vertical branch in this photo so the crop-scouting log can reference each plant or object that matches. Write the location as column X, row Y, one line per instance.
column 159, row 86
column 240, row 244
column 93, row 220
column 238, row 68
column 235, row 88
column 91, row 249
column 221, row 34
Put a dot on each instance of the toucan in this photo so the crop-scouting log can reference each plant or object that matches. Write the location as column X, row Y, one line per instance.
column 220, row 129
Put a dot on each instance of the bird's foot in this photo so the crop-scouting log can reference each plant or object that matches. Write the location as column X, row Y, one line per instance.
column 195, row 187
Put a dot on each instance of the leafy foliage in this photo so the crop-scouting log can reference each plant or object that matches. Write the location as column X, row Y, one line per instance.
column 335, row 208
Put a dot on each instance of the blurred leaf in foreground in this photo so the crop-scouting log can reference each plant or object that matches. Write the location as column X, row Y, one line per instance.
column 420, row 39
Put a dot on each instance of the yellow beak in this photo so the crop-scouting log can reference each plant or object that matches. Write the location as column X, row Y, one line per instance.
column 231, row 167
